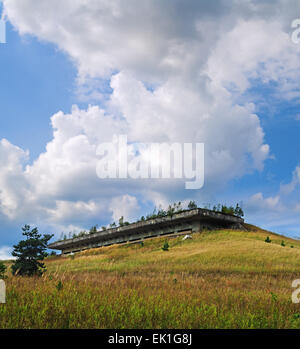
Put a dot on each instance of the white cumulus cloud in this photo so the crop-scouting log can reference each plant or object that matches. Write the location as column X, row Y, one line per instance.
column 176, row 71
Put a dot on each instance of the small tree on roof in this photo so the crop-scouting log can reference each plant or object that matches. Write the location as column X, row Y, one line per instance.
column 192, row 205
column 238, row 211
column 121, row 221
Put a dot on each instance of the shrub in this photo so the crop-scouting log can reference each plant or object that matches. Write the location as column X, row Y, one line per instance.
column 165, row 246
column 268, row 239
column 237, row 211
column 228, row 210
column 282, row 243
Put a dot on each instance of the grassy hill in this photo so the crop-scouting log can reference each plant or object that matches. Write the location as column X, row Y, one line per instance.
column 217, row 279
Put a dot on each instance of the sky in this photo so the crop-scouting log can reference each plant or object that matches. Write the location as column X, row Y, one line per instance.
column 75, row 73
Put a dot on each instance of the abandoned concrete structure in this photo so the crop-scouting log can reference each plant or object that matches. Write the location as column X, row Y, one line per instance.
column 185, row 222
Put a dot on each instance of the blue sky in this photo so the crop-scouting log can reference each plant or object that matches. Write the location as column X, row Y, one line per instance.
column 37, row 80
column 69, row 81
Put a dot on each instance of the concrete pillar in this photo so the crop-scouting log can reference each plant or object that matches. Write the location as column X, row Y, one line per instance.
column 196, row 227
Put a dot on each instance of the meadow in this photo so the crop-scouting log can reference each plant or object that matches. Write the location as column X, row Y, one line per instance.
column 217, row 279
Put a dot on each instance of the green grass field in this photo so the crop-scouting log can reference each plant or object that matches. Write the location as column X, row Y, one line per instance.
column 218, row 279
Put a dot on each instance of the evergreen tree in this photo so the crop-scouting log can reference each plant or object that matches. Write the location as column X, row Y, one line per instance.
column 238, row 211
column 192, row 205
column 93, row 229
column 171, row 211
column 30, row 253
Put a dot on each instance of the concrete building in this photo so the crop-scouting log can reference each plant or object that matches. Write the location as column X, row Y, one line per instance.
column 185, row 222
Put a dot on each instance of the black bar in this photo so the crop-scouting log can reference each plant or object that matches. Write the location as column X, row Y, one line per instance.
column 155, row 338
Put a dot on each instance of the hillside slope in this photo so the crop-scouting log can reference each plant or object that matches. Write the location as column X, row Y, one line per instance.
column 217, row 279
column 224, row 250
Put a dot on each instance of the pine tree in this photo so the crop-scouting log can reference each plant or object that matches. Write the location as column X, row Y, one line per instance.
column 192, row 205
column 93, row 229
column 238, row 211
column 30, row 253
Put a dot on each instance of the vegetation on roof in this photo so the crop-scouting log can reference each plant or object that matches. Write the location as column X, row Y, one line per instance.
column 159, row 212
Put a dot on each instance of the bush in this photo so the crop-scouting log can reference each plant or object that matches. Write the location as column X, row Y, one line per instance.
column 282, row 243
column 228, row 210
column 237, row 211
column 165, row 246
column 268, row 239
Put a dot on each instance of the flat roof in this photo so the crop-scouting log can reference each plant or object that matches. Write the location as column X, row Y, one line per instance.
column 187, row 215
